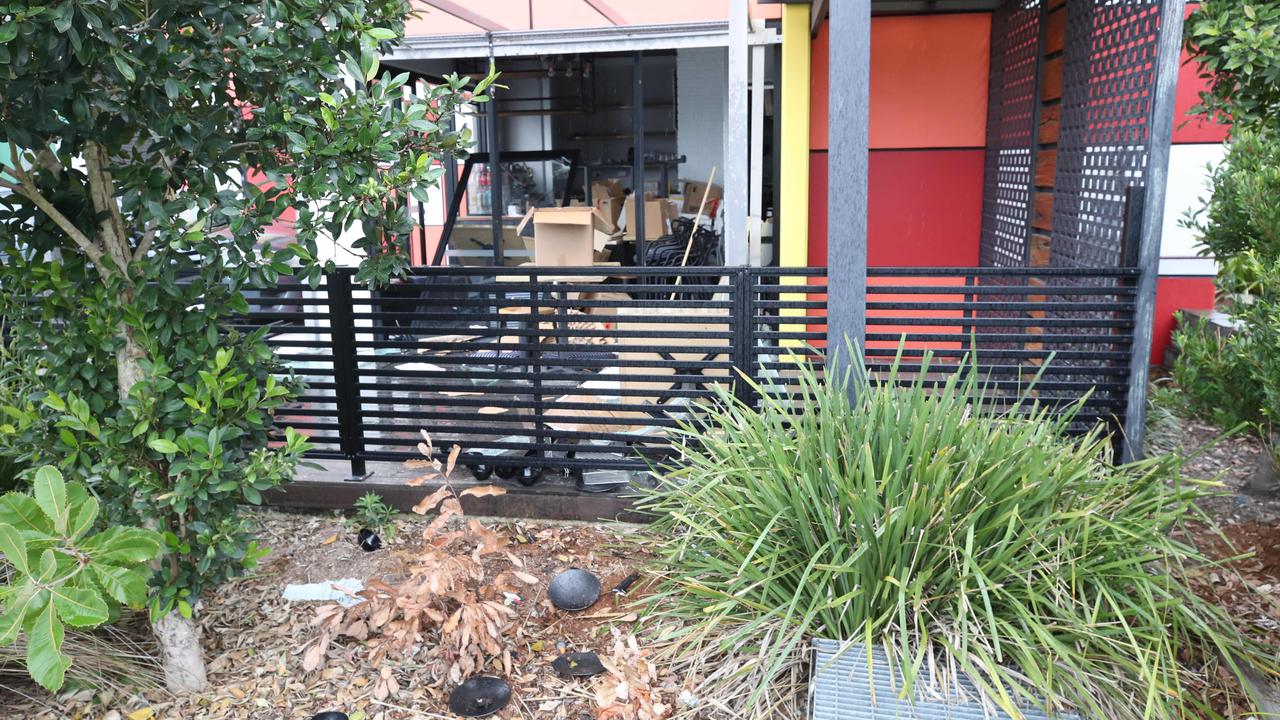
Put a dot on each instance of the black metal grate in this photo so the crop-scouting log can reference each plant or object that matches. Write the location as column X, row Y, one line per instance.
column 1108, row 79
column 948, row 312
column 1011, row 106
column 607, row 369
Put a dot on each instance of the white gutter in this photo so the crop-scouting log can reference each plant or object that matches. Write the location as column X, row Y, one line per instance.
column 622, row 38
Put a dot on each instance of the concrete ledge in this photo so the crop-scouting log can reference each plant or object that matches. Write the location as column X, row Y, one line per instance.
column 544, row 501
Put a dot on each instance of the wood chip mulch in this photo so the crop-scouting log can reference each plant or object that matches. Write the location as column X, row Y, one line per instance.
column 255, row 641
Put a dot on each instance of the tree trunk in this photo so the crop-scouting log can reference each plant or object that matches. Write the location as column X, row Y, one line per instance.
column 179, row 637
column 181, row 658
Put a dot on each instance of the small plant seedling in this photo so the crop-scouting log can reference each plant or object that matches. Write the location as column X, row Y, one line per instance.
column 374, row 514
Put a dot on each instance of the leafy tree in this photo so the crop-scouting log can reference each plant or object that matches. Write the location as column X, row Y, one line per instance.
column 150, row 145
column 1237, row 45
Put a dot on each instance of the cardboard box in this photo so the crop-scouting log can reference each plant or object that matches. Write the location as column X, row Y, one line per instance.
column 693, row 192
column 657, row 216
column 607, row 196
column 564, row 237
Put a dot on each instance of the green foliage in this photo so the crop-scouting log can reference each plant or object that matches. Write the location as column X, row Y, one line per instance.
column 151, row 149
column 63, row 573
column 372, row 513
column 925, row 520
column 1237, row 46
column 1239, row 223
column 1218, row 375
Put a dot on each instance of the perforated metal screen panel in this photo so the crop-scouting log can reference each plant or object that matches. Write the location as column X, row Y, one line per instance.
column 1108, row 83
column 1011, row 104
column 850, row 686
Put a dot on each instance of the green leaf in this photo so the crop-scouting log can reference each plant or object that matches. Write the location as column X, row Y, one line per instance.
column 45, row 661
column 51, row 496
column 123, row 545
column 24, row 601
column 381, row 34
column 161, row 445
column 80, row 607
column 22, row 512
column 14, row 548
column 48, row 567
column 123, row 66
column 8, row 31
column 127, row 587
column 82, row 517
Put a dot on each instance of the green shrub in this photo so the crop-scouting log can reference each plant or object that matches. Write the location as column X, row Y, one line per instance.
column 1239, row 223
column 373, row 513
column 63, row 573
column 1217, row 375
column 924, row 520
column 1237, row 48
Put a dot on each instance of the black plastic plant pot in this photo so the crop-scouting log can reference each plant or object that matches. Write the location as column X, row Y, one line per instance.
column 479, row 696
column 574, row 589
column 369, row 540
column 578, row 664
column 329, row 715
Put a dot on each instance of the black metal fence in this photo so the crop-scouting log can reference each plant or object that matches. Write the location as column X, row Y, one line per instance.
column 528, row 369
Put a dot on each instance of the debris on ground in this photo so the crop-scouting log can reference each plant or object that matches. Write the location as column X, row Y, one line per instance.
column 257, row 643
column 345, row 592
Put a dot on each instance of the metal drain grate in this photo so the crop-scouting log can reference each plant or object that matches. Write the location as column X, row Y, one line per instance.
column 843, row 687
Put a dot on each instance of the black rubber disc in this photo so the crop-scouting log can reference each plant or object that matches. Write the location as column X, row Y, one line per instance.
column 329, row 715
column 574, row 589
column 578, row 664
column 479, row 696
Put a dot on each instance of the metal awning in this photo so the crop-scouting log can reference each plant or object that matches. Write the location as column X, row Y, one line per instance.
column 622, row 38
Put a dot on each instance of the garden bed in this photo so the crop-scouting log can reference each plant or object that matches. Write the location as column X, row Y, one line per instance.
column 256, row 642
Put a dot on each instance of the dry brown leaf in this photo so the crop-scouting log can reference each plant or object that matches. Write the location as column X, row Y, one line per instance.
column 425, row 449
column 315, row 654
column 329, row 540
column 483, row 491
column 453, row 459
column 449, row 508
column 525, row 577
column 430, row 502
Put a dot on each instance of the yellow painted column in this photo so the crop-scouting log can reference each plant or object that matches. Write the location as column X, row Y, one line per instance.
column 794, row 210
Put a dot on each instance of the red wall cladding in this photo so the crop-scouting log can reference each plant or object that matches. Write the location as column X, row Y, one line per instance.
column 1173, row 294
column 924, row 207
column 928, row 81
column 928, row 128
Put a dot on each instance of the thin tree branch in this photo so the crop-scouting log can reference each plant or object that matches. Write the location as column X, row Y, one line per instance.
column 29, row 190
column 144, row 246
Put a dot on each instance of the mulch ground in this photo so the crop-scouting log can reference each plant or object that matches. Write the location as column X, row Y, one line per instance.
column 256, row 642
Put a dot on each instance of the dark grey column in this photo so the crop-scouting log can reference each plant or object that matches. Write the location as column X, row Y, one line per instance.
column 637, row 144
column 849, row 94
column 1168, row 50
column 495, row 174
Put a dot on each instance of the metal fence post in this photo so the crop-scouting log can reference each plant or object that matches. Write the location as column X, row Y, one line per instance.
column 342, row 336
column 743, row 325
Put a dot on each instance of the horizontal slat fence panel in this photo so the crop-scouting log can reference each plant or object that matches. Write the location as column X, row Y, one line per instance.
column 571, row 368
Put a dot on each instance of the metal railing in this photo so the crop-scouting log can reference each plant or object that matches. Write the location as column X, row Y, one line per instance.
column 526, row 369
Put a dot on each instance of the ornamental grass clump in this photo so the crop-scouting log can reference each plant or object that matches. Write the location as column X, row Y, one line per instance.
column 946, row 529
